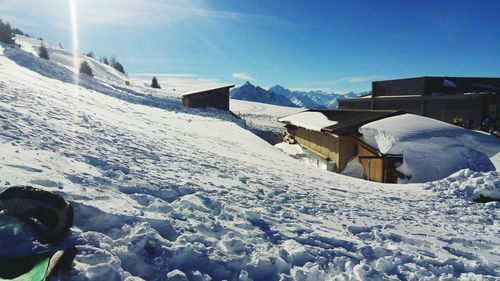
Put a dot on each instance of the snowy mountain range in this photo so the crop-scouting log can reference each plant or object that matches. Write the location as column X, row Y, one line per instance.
column 279, row 95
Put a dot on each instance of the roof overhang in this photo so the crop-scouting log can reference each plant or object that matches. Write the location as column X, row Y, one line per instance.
column 208, row 91
column 348, row 120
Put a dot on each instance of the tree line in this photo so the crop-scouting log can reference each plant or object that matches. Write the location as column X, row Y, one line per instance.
column 7, row 34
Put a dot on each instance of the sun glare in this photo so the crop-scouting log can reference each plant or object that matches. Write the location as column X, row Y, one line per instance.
column 74, row 37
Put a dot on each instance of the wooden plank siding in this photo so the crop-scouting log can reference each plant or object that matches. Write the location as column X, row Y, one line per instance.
column 372, row 164
column 377, row 166
column 336, row 149
column 215, row 98
column 348, row 149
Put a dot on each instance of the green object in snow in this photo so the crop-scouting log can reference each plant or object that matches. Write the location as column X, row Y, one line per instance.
column 29, row 268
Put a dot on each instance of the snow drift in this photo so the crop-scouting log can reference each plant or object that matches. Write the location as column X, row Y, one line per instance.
column 469, row 185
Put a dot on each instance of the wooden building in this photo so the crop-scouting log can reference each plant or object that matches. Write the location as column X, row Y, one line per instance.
column 215, row 98
column 441, row 98
column 429, row 85
column 377, row 166
column 338, row 142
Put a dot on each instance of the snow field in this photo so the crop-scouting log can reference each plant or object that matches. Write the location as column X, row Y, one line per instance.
column 162, row 192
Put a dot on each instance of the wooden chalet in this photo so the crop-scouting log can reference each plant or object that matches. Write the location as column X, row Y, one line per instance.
column 340, row 142
column 215, row 98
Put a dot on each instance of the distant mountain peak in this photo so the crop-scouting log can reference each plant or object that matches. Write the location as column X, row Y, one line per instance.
column 278, row 87
column 280, row 95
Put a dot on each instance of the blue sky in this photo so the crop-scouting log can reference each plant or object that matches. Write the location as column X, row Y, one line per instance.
column 335, row 45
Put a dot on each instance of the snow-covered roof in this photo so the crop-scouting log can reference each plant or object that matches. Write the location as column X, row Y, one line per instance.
column 311, row 120
column 339, row 121
column 384, row 134
column 431, row 149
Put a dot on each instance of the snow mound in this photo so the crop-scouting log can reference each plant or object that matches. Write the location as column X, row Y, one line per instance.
column 469, row 185
column 387, row 134
column 354, row 169
column 431, row 149
column 290, row 149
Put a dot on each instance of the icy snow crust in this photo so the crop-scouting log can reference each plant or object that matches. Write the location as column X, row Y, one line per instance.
column 162, row 192
column 431, row 149
column 311, row 120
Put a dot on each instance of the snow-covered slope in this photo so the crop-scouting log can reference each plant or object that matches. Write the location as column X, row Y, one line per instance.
column 262, row 116
column 161, row 192
column 65, row 58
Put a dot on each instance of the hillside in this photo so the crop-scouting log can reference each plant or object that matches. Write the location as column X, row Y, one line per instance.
column 163, row 192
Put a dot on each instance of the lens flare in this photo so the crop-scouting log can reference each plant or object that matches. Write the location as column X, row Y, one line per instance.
column 74, row 38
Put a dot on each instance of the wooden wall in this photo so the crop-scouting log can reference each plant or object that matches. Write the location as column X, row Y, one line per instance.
column 337, row 149
column 347, row 149
column 374, row 167
column 377, row 167
column 216, row 98
column 324, row 145
column 409, row 86
column 429, row 84
column 442, row 108
column 340, row 149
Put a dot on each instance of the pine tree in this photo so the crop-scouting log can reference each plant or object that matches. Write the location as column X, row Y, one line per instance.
column 104, row 60
column 113, row 62
column 118, row 66
column 18, row 31
column 90, row 55
column 6, row 33
column 85, row 68
column 43, row 52
column 155, row 84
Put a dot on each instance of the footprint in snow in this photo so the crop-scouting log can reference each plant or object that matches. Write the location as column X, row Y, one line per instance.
column 26, row 168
